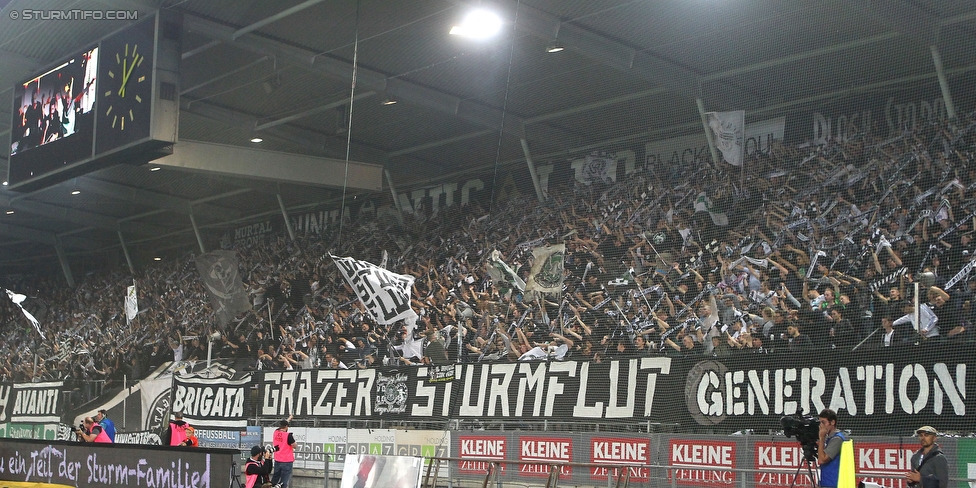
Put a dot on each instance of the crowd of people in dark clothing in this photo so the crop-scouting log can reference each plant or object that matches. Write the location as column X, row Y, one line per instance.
column 823, row 247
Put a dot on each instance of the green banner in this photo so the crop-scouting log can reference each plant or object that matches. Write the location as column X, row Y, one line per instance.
column 966, row 459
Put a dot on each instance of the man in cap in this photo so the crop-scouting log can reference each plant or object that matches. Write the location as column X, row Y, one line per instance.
column 284, row 456
column 176, row 433
column 930, row 469
column 257, row 468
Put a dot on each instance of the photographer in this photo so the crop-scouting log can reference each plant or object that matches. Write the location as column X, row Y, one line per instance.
column 258, row 468
column 91, row 431
column 828, row 448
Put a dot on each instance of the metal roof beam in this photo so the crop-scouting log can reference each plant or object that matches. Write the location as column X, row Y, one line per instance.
column 20, row 203
column 615, row 54
column 274, row 166
column 403, row 90
column 903, row 17
column 276, row 17
column 47, row 238
column 152, row 199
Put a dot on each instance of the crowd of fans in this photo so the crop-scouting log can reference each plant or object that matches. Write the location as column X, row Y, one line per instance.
column 822, row 249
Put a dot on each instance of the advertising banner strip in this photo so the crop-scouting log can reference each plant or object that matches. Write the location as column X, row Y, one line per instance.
column 105, row 466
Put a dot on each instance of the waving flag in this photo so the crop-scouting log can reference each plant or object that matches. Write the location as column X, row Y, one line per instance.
column 218, row 270
column 18, row 300
column 385, row 294
column 728, row 128
column 547, row 269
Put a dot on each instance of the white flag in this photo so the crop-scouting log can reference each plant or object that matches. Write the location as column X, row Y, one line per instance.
column 385, row 294
column 728, row 128
column 597, row 167
column 18, row 300
column 131, row 304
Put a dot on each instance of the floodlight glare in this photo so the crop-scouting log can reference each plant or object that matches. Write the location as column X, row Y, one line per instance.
column 479, row 24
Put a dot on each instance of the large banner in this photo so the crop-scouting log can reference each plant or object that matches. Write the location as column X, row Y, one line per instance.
column 218, row 270
column 377, row 393
column 31, row 403
column 212, row 402
column 106, row 466
column 870, row 392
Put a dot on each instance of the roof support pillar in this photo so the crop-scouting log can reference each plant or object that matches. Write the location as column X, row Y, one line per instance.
column 284, row 213
column 196, row 232
column 396, row 199
column 63, row 259
column 539, row 194
column 128, row 259
column 943, row 82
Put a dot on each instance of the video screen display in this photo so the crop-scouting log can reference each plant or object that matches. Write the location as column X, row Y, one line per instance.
column 53, row 117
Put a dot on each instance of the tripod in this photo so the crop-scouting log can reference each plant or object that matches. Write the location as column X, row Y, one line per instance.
column 235, row 481
column 808, row 462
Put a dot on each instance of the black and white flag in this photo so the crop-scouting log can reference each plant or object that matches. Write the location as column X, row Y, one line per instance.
column 218, row 270
column 729, row 128
column 385, row 294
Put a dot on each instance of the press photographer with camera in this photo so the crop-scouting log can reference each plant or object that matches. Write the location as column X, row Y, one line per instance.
column 257, row 469
column 828, row 448
column 91, row 431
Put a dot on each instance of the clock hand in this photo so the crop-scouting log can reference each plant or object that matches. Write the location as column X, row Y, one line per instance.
column 125, row 78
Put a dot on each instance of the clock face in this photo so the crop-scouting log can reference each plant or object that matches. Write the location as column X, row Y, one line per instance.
column 128, row 87
column 125, row 88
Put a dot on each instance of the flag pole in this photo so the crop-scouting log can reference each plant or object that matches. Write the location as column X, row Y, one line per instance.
column 708, row 131
column 742, row 155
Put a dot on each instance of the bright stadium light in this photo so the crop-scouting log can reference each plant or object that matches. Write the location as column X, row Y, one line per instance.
column 479, row 24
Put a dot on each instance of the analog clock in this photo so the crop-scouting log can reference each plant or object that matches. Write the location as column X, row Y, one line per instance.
column 124, row 88
column 128, row 87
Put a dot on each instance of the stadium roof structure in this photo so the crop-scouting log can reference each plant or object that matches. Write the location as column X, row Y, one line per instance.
column 282, row 71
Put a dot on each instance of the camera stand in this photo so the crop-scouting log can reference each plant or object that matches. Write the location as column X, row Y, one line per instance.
column 235, row 481
column 809, row 464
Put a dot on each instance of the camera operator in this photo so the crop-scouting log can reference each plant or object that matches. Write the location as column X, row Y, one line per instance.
column 91, row 431
column 258, row 468
column 828, row 448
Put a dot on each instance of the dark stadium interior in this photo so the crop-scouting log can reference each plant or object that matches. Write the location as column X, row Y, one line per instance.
column 631, row 71
column 663, row 239
column 857, row 183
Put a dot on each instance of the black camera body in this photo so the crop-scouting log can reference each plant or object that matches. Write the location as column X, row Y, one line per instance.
column 806, row 429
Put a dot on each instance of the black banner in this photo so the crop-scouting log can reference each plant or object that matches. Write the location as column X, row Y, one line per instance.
column 36, row 403
column 104, row 466
column 871, row 391
column 213, row 402
column 391, row 393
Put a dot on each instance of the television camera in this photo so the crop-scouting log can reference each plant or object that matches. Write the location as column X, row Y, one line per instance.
column 806, row 430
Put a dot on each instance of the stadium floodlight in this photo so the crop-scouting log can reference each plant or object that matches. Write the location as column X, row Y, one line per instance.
column 478, row 24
